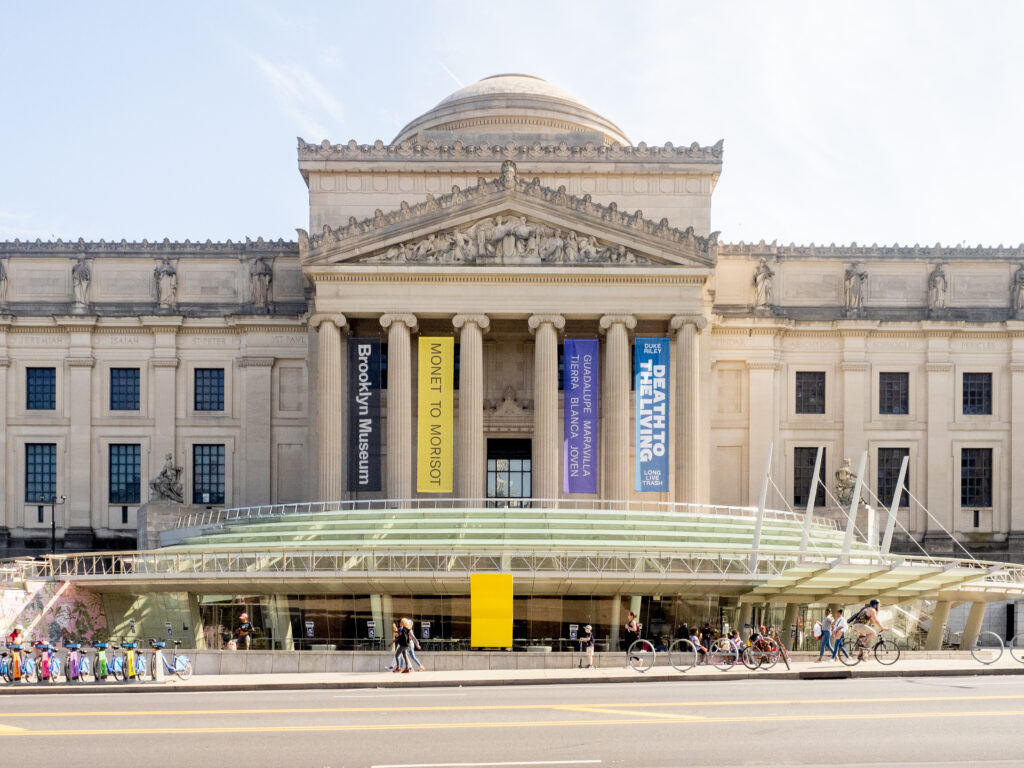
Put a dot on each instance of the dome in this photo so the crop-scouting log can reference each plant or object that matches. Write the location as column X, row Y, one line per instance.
column 504, row 107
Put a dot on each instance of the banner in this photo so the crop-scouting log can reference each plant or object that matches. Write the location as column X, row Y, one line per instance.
column 580, row 423
column 651, row 367
column 364, row 415
column 435, row 444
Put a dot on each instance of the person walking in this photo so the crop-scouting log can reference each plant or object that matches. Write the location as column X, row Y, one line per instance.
column 839, row 627
column 414, row 644
column 587, row 644
column 402, row 648
column 632, row 633
column 244, row 632
column 826, row 633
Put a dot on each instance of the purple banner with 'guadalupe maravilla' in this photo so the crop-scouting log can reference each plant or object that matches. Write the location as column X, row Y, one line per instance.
column 580, row 429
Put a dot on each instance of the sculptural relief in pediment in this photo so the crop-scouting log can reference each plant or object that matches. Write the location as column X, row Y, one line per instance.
column 507, row 240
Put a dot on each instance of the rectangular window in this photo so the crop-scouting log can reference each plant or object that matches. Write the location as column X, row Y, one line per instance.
column 125, row 473
column 383, row 365
column 803, row 476
column 561, row 367
column 207, row 474
column 977, row 395
column 209, row 389
column 124, row 389
column 894, row 393
column 889, row 462
column 41, row 472
column 41, row 385
column 810, row 391
column 976, row 477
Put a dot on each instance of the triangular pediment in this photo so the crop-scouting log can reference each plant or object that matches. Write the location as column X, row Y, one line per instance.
column 508, row 222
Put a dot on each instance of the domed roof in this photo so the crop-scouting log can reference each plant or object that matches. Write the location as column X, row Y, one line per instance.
column 519, row 106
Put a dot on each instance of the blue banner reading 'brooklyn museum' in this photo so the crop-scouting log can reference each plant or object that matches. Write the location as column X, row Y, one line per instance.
column 363, row 414
column 580, row 422
column 652, row 424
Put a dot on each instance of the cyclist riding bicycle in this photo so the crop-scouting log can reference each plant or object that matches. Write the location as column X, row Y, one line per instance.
column 861, row 622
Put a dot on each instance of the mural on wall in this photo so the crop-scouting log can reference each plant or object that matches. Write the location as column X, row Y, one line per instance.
column 58, row 612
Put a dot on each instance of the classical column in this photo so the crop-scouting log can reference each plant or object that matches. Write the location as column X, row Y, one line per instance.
column 329, row 393
column 688, row 407
column 940, row 461
column 469, row 467
column 547, row 465
column 399, row 435
column 761, row 408
column 615, row 400
column 256, row 445
column 1015, row 517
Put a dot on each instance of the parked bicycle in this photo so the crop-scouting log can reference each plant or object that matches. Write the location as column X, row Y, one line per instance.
column 102, row 666
column 48, row 663
column 79, row 669
column 762, row 653
column 133, row 663
column 885, row 650
column 780, row 647
column 179, row 664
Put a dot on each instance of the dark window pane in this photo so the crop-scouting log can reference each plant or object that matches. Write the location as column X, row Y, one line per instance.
column 209, row 389
column 41, row 472
column 977, row 394
column 207, row 474
column 508, row 472
column 561, row 367
column 803, row 476
column 41, row 384
column 894, row 393
column 889, row 462
column 976, row 477
column 125, row 474
column 810, row 391
column 457, row 368
column 383, row 365
column 124, row 389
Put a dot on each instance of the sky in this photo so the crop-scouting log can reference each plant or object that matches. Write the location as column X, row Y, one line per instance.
column 874, row 122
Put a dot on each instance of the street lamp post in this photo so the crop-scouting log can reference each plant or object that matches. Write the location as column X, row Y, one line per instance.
column 52, row 501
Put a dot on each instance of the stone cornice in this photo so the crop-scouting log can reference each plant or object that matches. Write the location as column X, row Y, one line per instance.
column 256, row 362
column 855, row 252
column 854, row 366
column 164, row 362
column 566, row 277
column 164, row 248
column 938, row 367
column 511, row 150
column 508, row 186
column 763, row 365
column 80, row 362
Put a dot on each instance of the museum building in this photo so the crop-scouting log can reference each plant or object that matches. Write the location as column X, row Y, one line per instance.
column 594, row 346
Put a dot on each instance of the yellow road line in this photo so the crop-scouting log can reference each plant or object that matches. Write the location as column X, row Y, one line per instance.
column 683, row 719
column 606, row 710
column 510, row 707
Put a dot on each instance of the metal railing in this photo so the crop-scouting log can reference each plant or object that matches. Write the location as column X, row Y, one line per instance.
column 225, row 515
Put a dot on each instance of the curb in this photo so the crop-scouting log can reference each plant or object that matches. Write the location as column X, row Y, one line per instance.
column 168, row 686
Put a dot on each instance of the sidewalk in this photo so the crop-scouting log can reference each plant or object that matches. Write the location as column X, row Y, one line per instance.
column 803, row 670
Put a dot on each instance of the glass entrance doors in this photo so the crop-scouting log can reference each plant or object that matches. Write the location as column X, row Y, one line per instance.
column 509, row 472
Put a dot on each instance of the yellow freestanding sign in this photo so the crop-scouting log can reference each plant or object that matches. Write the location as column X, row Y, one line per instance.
column 490, row 607
column 435, row 439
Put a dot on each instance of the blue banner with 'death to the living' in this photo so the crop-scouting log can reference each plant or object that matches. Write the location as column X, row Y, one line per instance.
column 651, row 369
column 580, row 422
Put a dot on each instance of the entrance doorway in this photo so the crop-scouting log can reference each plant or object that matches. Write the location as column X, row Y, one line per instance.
column 509, row 472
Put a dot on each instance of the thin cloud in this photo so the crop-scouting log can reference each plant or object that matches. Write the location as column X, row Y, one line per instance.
column 304, row 98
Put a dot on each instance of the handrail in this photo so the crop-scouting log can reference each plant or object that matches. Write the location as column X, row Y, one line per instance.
column 223, row 515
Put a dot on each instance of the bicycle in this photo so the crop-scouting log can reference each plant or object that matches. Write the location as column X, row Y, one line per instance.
column 682, row 655
column 781, row 651
column 980, row 650
column 102, row 664
column 50, row 667
column 179, row 664
column 6, row 664
column 885, row 651
column 78, row 666
column 134, row 664
column 762, row 653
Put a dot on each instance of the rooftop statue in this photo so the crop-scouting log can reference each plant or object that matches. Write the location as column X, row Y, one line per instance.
column 167, row 485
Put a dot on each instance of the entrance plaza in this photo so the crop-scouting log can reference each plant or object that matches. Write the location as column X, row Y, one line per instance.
column 508, row 341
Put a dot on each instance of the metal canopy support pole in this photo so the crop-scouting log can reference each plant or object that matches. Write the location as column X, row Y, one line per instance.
column 854, row 503
column 890, row 524
column 805, row 539
column 755, row 545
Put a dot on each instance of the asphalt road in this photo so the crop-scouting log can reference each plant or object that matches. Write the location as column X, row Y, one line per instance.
column 927, row 721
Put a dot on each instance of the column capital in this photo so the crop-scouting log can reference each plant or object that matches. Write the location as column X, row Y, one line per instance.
column 408, row 320
column 536, row 321
column 337, row 318
column 483, row 322
column 938, row 367
column 252, row 361
column 81, row 362
column 607, row 321
column 678, row 322
column 763, row 365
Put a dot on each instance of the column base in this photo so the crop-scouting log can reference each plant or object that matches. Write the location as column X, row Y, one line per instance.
column 78, row 538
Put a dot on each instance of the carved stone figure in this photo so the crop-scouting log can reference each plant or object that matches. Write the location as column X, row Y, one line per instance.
column 166, row 278
column 167, row 485
column 763, row 284
column 3, row 281
column 261, row 277
column 1017, row 294
column 853, row 294
column 937, row 286
column 508, row 174
column 81, row 276
column 846, row 482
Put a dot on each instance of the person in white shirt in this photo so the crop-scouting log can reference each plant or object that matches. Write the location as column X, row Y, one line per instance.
column 826, row 633
column 839, row 627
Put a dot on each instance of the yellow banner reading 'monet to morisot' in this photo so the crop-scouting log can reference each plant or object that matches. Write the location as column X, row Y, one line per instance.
column 490, row 607
column 435, row 444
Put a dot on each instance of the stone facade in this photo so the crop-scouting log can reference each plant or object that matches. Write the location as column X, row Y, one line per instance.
column 512, row 227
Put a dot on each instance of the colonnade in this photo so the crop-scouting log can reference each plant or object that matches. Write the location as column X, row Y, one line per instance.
column 686, row 402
